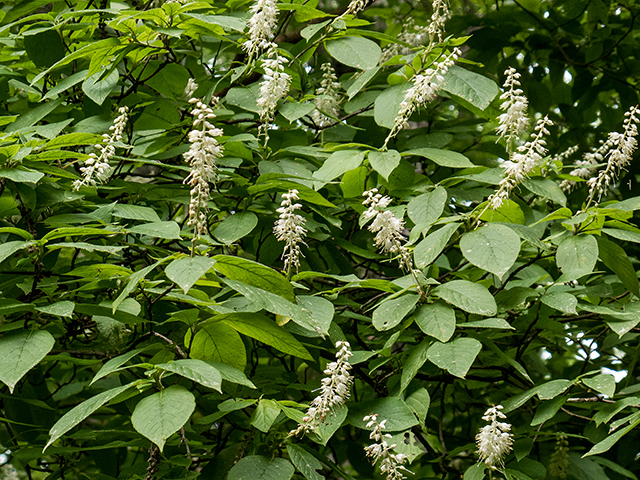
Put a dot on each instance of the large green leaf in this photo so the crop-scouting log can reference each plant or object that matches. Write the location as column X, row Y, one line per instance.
column 219, row 342
column 21, row 351
column 425, row 209
column 167, row 230
column 197, row 370
column 437, row 320
column 455, row 357
column 235, row 227
column 387, row 105
column 256, row 467
column 187, row 271
column 494, row 248
column 266, row 331
column 97, row 88
column 162, row 414
column 414, row 362
column 391, row 312
column 546, row 188
column 78, row 413
column 384, row 162
column 444, row 158
column 337, row 164
column 255, row 274
column 9, row 248
column 115, row 364
column 476, row 89
column 265, row 414
column 306, row 463
column 604, row 445
column 355, row 52
column 577, row 255
column 398, row 415
column 602, row 383
column 431, row 247
column 615, row 258
column 468, row 296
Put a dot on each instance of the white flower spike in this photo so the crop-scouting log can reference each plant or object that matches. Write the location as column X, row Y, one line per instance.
column 262, row 26
column 202, row 156
column 494, row 440
column 514, row 121
column 390, row 463
column 289, row 228
column 335, row 390
column 97, row 168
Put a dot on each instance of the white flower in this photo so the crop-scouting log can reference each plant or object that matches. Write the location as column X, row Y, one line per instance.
column 387, row 227
column 275, row 85
column 261, row 26
column 202, row 156
column 425, row 88
column 438, row 18
column 8, row 472
column 494, row 440
column 390, row 463
column 514, row 121
column 191, row 88
column 619, row 157
column 97, row 169
column 328, row 96
column 335, row 390
column 522, row 162
column 289, row 229
column 411, row 34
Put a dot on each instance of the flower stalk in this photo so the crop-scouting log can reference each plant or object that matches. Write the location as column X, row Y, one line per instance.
column 390, row 463
column 494, row 440
column 289, row 228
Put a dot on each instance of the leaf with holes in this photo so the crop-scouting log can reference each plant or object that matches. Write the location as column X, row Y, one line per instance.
column 391, row 312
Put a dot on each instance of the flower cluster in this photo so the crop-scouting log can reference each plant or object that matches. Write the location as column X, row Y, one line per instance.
column 522, row 162
column 390, row 463
column 514, row 121
column 354, row 7
column 275, row 85
column 191, row 88
column 9, row 472
column 625, row 144
column 261, row 26
column 439, row 17
column 335, row 390
column 202, row 156
column 387, row 227
column 289, row 229
column 328, row 100
column 586, row 167
column 425, row 88
column 494, row 440
column 560, row 459
column 96, row 167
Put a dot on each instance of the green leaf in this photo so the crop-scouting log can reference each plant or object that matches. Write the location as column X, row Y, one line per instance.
column 426, row 209
column 9, row 248
column 414, row 362
column 292, row 111
column 162, row 414
column 61, row 309
column 265, row 414
column 577, row 255
column 306, row 463
column 624, row 235
column 507, row 358
column 276, row 304
column 321, row 310
column 197, row 370
column 431, row 247
column 398, row 415
column 468, row 296
column 235, row 227
column 228, row 23
column 78, row 413
column 615, row 258
column 611, row 440
column 546, row 188
column 552, row 389
column 256, row 467
column 168, row 230
column 187, row 271
column 114, row 364
column 72, row 140
column 602, row 383
column 255, row 274
column 21, row 351
column 337, row 164
column 21, row 175
column 132, row 282
column 455, row 357
column 476, row 89
column 384, row 162
column 391, row 312
column 475, row 472
column 331, row 424
column 563, row 301
column 219, row 342
column 355, row 52
column 266, row 331
column 387, row 105
column 231, row 374
column 98, row 89
column 437, row 320
column 34, row 115
column 493, row 248
column 136, row 212
column 419, row 402
column 246, row 98
column 444, row 158
column 361, row 81
column 310, row 30
column 509, row 212
column 487, row 323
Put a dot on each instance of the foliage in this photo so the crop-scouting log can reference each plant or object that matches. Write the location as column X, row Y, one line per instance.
column 152, row 324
